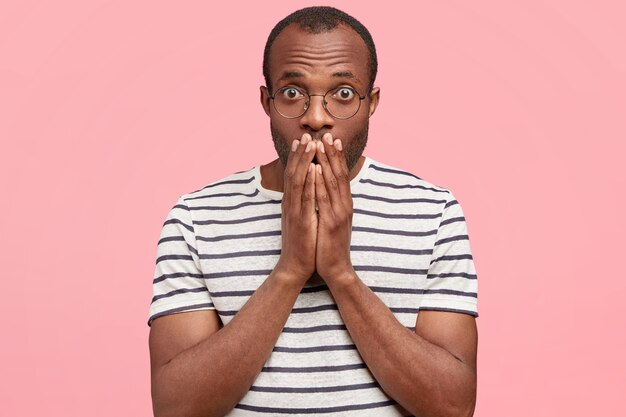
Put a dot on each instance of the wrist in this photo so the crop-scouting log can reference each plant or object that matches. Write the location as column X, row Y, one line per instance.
column 343, row 280
column 287, row 278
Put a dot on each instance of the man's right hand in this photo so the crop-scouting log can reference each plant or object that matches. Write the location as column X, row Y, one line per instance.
column 299, row 217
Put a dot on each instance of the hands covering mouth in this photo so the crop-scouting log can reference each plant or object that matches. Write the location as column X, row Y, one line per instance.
column 317, row 209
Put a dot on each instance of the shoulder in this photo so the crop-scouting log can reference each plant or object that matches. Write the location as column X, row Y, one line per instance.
column 240, row 183
column 391, row 179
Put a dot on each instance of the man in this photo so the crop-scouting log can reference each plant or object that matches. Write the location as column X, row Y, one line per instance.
column 297, row 284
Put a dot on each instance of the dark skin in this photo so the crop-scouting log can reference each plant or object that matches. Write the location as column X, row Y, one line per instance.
column 430, row 372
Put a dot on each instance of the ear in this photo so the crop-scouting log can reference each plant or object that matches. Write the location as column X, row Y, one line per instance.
column 374, row 97
column 265, row 99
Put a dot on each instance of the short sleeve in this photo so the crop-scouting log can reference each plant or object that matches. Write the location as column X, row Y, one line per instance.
column 451, row 283
column 178, row 283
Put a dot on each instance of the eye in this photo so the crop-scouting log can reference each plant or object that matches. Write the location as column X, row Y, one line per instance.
column 344, row 94
column 291, row 93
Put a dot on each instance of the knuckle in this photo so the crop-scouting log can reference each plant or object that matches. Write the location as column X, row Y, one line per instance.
column 289, row 174
column 324, row 197
column 343, row 176
column 296, row 184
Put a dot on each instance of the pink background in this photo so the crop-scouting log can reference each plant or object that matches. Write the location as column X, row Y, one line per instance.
column 109, row 110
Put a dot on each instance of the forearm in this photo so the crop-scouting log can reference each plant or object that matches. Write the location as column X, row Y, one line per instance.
column 209, row 378
column 424, row 378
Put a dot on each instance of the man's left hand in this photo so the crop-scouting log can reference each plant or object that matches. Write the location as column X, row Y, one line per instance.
column 334, row 201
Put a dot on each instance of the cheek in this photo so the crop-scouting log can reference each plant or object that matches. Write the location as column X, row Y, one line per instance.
column 289, row 129
column 350, row 130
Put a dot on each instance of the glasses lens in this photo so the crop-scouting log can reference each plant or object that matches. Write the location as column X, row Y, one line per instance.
column 342, row 102
column 290, row 101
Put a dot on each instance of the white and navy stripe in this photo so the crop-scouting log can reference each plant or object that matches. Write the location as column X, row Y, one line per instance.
column 410, row 245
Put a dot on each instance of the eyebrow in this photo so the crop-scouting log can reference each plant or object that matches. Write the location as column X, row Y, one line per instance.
column 345, row 74
column 291, row 74
column 287, row 75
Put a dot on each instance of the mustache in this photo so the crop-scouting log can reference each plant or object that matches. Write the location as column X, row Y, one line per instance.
column 317, row 136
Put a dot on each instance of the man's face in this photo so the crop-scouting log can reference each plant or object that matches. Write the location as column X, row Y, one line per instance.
column 317, row 63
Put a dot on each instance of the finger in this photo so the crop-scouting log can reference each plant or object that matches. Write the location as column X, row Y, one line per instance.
column 339, row 165
column 321, row 194
column 295, row 173
column 331, row 182
column 293, row 156
column 298, row 147
column 308, row 195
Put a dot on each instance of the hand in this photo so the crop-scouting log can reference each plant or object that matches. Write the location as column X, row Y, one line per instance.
column 334, row 199
column 299, row 218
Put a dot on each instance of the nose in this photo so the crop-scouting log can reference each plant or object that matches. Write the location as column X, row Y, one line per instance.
column 316, row 117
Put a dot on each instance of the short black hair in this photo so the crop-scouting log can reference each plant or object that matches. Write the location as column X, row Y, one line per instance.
column 321, row 19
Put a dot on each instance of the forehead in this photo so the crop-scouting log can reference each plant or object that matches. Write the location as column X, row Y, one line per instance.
column 338, row 52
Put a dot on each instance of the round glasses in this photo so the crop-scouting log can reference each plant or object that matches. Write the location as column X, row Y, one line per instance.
column 340, row 103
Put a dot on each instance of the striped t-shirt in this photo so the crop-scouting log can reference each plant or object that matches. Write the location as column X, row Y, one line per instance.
column 409, row 244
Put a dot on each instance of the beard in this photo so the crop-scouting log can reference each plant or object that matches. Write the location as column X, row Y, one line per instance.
column 352, row 149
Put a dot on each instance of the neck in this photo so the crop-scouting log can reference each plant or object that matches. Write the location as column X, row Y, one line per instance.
column 273, row 174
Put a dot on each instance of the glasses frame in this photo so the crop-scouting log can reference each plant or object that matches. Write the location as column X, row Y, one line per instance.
column 324, row 102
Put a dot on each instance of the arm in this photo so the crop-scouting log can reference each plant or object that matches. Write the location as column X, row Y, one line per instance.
column 431, row 372
column 199, row 369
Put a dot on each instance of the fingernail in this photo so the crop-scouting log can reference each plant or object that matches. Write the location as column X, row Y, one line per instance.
column 294, row 145
column 319, row 169
column 308, row 146
column 338, row 144
column 329, row 138
column 310, row 167
column 305, row 138
column 321, row 146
